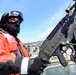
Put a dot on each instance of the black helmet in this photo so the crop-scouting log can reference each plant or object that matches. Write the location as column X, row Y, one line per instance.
column 7, row 15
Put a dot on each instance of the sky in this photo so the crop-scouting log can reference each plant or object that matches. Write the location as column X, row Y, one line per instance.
column 40, row 16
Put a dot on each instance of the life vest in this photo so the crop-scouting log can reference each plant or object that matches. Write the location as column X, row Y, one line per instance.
column 10, row 44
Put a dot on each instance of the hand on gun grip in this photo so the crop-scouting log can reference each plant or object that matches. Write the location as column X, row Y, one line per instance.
column 37, row 65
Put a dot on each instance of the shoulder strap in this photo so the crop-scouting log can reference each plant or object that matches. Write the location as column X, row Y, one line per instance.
column 20, row 48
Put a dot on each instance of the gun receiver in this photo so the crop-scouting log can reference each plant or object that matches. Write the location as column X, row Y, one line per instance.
column 63, row 32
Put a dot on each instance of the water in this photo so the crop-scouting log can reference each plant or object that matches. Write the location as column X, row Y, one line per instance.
column 60, row 70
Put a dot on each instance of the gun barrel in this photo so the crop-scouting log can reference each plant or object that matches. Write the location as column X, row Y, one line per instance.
column 70, row 6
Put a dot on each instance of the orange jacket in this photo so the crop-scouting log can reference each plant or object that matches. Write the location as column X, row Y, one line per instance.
column 10, row 55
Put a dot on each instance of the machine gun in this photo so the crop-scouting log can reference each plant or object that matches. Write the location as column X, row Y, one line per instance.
column 64, row 34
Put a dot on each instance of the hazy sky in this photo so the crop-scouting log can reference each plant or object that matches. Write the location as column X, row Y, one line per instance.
column 40, row 16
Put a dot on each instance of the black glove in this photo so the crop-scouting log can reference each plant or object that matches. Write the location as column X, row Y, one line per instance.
column 37, row 65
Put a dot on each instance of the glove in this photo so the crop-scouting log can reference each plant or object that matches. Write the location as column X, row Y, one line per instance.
column 36, row 65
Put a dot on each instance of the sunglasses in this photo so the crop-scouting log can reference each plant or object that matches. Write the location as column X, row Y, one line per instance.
column 15, row 13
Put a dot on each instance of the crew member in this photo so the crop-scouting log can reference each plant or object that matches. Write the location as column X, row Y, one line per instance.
column 14, row 57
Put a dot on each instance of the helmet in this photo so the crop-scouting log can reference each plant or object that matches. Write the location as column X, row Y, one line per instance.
column 7, row 15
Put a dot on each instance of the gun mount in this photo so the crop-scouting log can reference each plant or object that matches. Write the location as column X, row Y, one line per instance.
column 64, row 32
